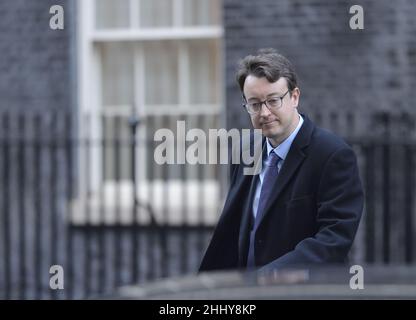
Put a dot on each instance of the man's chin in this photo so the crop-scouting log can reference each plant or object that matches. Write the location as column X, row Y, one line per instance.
column 271, row 132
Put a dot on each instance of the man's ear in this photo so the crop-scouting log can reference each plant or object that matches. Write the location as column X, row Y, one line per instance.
column 295, row 96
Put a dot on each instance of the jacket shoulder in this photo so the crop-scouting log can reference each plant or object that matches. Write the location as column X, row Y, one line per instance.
column 327, row 142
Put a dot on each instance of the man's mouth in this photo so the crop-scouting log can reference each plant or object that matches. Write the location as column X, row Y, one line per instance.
column 269, row 122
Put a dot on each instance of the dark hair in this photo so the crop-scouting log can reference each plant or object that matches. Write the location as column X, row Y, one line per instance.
column 269, row 64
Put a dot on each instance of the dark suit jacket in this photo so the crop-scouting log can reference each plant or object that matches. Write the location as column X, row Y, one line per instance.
column 311, row 217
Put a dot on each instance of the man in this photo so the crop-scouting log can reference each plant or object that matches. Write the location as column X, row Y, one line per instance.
column 305, row 205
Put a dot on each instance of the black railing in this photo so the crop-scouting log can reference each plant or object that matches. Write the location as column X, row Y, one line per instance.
column 139, row 221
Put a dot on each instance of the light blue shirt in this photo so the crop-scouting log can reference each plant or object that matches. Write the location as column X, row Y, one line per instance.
column 281, row 150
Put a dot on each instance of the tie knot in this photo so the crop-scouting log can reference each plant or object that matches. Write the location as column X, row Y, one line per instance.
column 272, row 159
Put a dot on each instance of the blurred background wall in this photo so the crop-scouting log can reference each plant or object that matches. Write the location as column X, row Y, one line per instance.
column 79, row 108
column 37, row 64
column 358, row 71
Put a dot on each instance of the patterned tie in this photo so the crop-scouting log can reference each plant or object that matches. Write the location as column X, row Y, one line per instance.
column 270, row 176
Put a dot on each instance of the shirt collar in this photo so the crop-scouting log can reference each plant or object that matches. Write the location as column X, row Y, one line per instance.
column 282, row 149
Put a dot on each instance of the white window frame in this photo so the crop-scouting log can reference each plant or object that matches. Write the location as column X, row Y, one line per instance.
column 89, row 98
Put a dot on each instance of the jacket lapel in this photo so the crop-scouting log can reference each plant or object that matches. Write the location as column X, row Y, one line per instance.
column 247, row 211
column 292, row 162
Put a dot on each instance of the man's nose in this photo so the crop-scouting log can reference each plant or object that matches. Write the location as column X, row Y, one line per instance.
column 264, row 111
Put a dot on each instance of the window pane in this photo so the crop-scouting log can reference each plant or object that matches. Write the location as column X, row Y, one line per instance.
column 156, row 13
column 185, row 171
column 112, row 14
column 202, row 12
column 161, row 73
column 117, row 155
column 117, row 74
column 203, row 66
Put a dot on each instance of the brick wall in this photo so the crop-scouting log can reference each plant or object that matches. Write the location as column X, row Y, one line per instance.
column 339, row 69
column 36, row 62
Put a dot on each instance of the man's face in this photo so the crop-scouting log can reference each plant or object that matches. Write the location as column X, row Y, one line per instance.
column 276, row 124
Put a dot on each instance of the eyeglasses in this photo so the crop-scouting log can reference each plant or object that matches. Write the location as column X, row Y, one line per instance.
column 273, row 103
